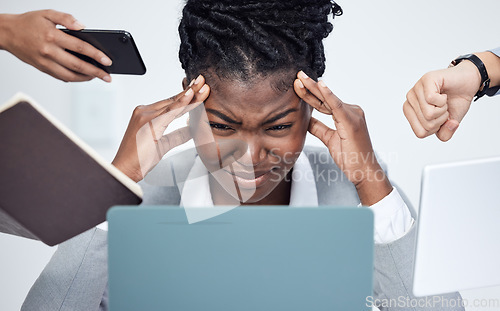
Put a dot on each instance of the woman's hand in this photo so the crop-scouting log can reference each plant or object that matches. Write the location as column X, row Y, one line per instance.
column 33, row 38
column 144, row 142
column 349, row 144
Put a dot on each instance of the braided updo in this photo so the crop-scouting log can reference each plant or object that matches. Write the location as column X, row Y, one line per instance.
column 246, row 39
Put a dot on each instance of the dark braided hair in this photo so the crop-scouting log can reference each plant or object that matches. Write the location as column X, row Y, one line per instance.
column 245, row 39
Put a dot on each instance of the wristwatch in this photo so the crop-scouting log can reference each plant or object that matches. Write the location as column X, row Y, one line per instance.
column 485, row 80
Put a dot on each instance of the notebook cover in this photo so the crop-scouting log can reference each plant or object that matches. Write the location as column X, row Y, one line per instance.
column 50, row 188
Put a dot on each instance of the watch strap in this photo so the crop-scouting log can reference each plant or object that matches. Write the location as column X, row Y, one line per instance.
column 485, row 80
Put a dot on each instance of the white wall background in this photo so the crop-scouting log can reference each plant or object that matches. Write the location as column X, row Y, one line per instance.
column 376, row 52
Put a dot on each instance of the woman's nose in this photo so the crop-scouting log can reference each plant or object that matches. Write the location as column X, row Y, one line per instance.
column 251, row 153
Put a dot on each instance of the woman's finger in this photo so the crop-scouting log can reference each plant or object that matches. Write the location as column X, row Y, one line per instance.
column 320, row 130
column 310, row 85
column 447, row 130
column 333, row 102
column 195, row 85
column 79, row 66
column 200, row 95
column 64, row 74
column 185, row 104
column 432, row 104
column 430, row 125
column 189, row 100
column 171, row 140
column 412, row 118
column 162, row 118
column 64, row 19
column 164, row 114
column 79, row 46
column 309, row 98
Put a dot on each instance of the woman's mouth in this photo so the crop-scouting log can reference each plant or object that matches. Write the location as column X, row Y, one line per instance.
column 250, row 180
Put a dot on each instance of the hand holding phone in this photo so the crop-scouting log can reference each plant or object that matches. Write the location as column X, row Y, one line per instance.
column 33, row 38
column 118, row 45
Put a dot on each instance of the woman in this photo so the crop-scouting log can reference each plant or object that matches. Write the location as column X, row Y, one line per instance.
column 253, row 67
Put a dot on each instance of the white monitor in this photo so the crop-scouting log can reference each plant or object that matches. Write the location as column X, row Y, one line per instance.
column 458, row 243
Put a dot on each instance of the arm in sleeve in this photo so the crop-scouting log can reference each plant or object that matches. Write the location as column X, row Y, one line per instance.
column 75, row 277
column 393, row 275
column 393, row 219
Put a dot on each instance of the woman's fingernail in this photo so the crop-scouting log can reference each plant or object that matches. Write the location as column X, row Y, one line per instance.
column 301, row 85
column 189, row 92
column 106, row 61
column 203, row 89
column 303, row 75
column 191, row 83
column 107, row 78
column 322, row 84
column 198, row 79
column 78, row 25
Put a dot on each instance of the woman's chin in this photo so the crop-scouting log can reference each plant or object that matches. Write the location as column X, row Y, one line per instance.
column 255, row 195
column 247, row 190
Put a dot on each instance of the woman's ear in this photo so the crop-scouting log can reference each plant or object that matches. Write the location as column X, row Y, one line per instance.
column 184, row 83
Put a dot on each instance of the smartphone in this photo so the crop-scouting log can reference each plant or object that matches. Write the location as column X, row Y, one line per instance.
column 117, row 45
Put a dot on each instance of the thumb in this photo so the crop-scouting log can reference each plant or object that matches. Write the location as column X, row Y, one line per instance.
column 174, row 139
column 447, row 130
column 437, row 99
column 320, row 130
column 64, row 19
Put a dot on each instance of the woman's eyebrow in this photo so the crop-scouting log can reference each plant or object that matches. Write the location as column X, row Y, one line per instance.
column 222, row 116
column 280, row 116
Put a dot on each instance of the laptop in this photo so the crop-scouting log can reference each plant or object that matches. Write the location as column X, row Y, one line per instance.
column 250, row 258
column 458, row 241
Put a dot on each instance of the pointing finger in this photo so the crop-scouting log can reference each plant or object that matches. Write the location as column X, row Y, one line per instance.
column 310, row 85
column 64, row 19
column 335, row 104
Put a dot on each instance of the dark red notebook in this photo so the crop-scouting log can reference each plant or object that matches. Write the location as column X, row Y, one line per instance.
column 53, row 186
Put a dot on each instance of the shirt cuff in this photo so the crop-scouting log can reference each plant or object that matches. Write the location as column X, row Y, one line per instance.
column 103, row 226
column 495, row 51
column 392, row 218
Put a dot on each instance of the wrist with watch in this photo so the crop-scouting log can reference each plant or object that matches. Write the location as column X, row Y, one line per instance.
column 484, row 88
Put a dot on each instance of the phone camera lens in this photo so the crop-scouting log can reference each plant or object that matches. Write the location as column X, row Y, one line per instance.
column 124, row 39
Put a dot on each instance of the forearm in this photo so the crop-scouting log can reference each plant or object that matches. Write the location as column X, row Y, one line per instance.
column 374, row 187
column 492, row 64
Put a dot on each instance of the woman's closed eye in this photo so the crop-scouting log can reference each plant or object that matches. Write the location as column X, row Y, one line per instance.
column 220, row 127
column 226, row 128
column 279, row 127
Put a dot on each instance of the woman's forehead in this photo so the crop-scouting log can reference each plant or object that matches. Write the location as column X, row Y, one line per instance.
column 240, row 98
